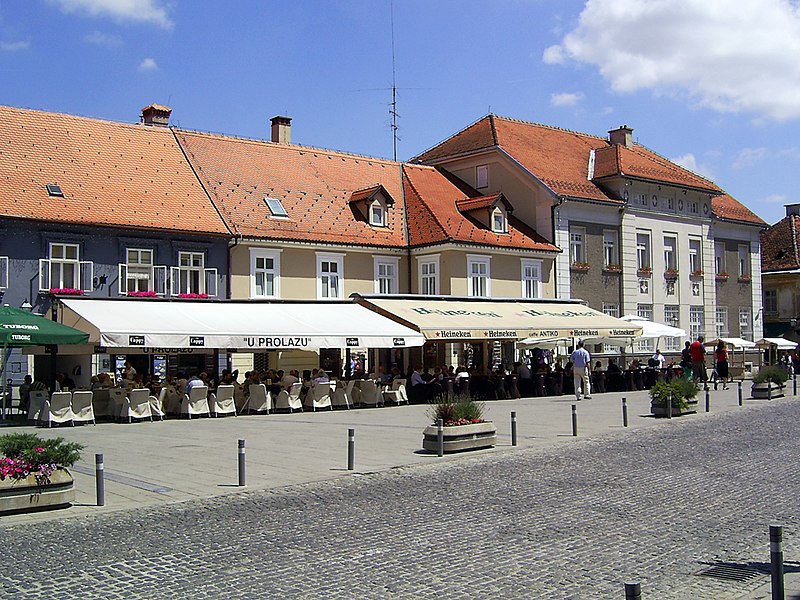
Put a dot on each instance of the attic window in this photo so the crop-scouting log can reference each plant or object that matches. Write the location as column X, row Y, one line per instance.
column 275, row 207
column 377, row 214
column 499, row 224
column 54, row 190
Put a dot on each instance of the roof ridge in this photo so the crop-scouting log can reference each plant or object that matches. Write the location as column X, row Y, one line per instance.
column 427, row 208
column 703, row 177
column 136, row 126
column 552, row 127
column 448, row 138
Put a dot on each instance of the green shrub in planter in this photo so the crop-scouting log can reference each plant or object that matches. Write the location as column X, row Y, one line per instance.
column 681, row 389
column 37, row 451
column 461, row 411
column 773, row 374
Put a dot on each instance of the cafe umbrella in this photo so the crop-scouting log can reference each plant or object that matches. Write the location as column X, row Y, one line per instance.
column 20, row 328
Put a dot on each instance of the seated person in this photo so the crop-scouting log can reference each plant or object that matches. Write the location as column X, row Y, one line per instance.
column 25, row 393
column 321, row 377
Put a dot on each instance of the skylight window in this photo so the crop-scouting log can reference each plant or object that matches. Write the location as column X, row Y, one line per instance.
column 54, row 190
column 275, row 207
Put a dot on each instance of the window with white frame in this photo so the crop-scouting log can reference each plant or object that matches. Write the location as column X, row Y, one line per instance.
column 377, row 214
column 610, row 249
column 499, row 224
column 64, row 269
column 139, row 274
column 745, row 323
column 670, row 253
column 721, row 317
column 429, row 275
column 692, row 206
column 771, row 301
column 190, row 273
column 744, row 260
column 478, row 275
column 265, row 273
column 645, row 311
column 696, row 325
column 531, row 278
column 643, row 261
column 719, row 259
column 695, row 257
column 330, row 276
column 386, row 274
column 612, row 310
column 482, row 176
column 672, row 317
column 577, row 249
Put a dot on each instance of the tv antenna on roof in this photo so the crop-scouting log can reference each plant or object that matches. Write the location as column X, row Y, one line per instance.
column 393, row 109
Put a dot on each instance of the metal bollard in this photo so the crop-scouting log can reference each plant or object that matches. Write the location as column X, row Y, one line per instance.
column 776, row 561
column 708, row 400
column 575, row 420
column 440, row 438
column 633, row 591
column 769, row 390
column 242, row 477
column 794, row 389
column 351, row 449
column 100, row 479
column 669, row 405
column 624, row 412
column 513, row 428
column 740, row 392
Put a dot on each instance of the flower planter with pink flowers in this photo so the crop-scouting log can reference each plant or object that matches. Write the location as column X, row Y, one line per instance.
column 31, row 493
column 66, row 292
column 143, row 294
column 185, row 296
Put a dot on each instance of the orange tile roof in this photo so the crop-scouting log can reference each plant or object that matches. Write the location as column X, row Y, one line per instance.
column 368, row 192
column 477, row 203
column 560, row 159
column 432, row 199
column 779, row 245
column 314, row 186
column 112, row 174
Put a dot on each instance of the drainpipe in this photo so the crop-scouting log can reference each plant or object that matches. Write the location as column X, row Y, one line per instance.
column 236, row 240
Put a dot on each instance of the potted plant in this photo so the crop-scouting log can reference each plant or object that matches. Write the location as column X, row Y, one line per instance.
column 696, row 273
column 644, row 271
column 679, row 392
column 745, row 278
column 580, row 266
column 768, row 382
column 464, row 426
column 722, row 276
column 612, row 269
column 34, row 472
column 671, row 273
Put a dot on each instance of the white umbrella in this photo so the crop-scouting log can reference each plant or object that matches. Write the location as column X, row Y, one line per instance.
column 650, row 331
column 779, row 343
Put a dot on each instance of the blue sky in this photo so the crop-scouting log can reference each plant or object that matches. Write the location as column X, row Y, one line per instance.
column 712, row 84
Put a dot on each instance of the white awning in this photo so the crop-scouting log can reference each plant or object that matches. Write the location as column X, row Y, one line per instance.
column 780, row 343
column 457, row 319
column 734, row 342
column 246, row 326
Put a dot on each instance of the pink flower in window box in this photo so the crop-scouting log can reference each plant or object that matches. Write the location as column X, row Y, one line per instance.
column 192, row 295
column 66, row 292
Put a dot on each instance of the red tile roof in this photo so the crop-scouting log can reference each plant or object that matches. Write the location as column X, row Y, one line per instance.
column 433, row 216
column 779, row 245
column 314, row 186
column 479, row 202
column 368, row 193
column 560, row 159
column 112, row 174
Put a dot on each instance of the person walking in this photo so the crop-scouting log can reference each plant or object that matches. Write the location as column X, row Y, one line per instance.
column 698, row 354
column 581, row 363
column 721, row 359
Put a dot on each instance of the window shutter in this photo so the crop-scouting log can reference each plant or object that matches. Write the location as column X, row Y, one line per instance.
column 87, row 275
column 211, row 281
column 175, row 281
column 122, row 280
column 3, row 272
column 160, row 280
column 44, row 274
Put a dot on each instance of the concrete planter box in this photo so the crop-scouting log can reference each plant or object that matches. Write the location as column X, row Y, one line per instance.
column 26, row 495
column 460, row 437
column 661, row 411
column 762, row 390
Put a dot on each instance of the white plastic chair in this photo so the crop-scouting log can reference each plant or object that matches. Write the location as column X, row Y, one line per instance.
column 259, row 400
column 119, row 400
column 343, row 394
column 290, row 399
column 397, row 392
column 196, row 402
column 58, row 409
column 222, row 402
column 370, row 393
column 36, row 404
column 82, row 407
column 157, row 405
column 137, row 405
column 319, row 396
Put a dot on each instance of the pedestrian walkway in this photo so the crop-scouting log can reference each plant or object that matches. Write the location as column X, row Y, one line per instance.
column 177, row 460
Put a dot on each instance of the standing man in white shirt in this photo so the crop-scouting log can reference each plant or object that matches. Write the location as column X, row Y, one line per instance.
column 581, row 363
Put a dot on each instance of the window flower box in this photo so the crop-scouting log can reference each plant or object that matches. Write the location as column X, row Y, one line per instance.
column 722, row 276
column 144, row 294
column 581, row 267
column 671, row 274
column 192, row 295
column 644, row 271
column 745, row 278
column 697, row 273
column 66, row 292
column 612, row 269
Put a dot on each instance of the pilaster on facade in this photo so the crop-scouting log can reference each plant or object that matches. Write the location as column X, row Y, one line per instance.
column 630, row 277
column 561, row 229
column 708, row 283
column 757, row 288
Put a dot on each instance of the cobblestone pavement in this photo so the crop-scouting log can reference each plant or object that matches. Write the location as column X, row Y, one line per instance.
column 655, row 505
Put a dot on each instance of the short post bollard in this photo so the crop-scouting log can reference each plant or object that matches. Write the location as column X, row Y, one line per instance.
column 776, row 560
column 513, row 428
column 794, row 385
column 708, row 400
column 575, row 420
column 100, row 479
column 633, row 591
column 624, row 412
column 740, row 392
column 351, row 449
column 440, row 438
column 242, row 475
column 669, row 405
column 769, row 390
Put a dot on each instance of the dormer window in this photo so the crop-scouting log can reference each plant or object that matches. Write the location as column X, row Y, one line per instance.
column 372, row 204
column 499, row 224
column 377, row 214
column 276, row 207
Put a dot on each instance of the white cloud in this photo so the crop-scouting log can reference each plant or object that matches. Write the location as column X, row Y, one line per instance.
column 124, row 11
column 689, row 161
column 776, row 199
column 728, row 58
column 15, row 46
column 148, row 64
column 566, row 99
column 748, row 157
column 99, row 38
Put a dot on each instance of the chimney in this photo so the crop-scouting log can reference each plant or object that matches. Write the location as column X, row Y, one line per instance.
column 792, row 209
column 155, row 115
column 623, row 136
column 281, row 130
